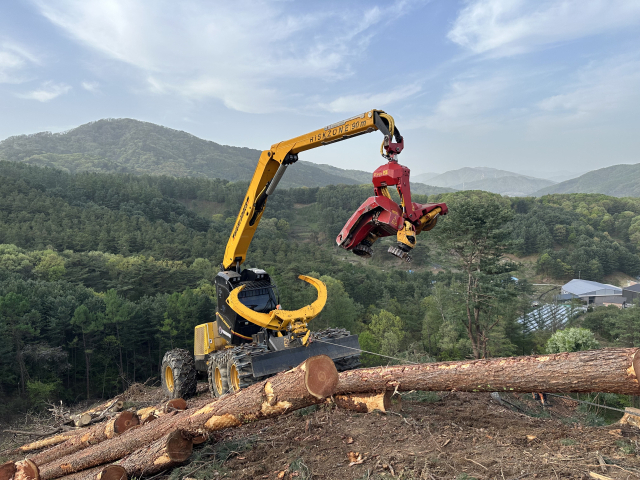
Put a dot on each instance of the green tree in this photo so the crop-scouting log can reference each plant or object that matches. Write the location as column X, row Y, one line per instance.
column 89, row 324
column 16, row 327
column 339, row 311
column 117, row 313
column 475, row 233
column 572, row 340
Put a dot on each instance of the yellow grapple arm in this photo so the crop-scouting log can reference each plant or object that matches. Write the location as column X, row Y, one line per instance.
column 271, row 167
column 281, row 319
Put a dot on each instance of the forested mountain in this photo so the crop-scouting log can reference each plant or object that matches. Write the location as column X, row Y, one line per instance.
column 105, row 272
column 131, row 146
column 616, row 181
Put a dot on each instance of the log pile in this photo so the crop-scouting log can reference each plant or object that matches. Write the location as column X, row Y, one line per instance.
column 155, row 439
column 167, row 439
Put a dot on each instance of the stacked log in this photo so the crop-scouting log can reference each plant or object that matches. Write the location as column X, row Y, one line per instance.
column 167, row 439
column 155, row 439
column 94, row 435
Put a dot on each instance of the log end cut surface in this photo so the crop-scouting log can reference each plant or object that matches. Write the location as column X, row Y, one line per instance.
column 112, row 472
column 26, row 470
column 124, row 421
column 321, row 376
column 176, row 404
column 178, row 447
column 7, row 470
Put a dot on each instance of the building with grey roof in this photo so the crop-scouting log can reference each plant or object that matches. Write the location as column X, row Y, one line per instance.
column 632, row 292
column 594, row 292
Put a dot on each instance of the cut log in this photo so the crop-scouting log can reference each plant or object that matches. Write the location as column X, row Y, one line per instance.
column 98, row 412
column 96, row 434
column 613, row 370
column 149, row 414
column 82, row 419
column 46, row 442
column 308, row 384
column 364, row 402
column 171, row 450
column 26, row 470
column 7, row 470
column 175, row 404
column 110, row 472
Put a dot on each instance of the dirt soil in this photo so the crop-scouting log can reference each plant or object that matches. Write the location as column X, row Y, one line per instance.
column 459, row 436
column 426, row 435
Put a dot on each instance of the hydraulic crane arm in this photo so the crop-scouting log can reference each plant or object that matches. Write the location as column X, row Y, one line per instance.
column 274, row 162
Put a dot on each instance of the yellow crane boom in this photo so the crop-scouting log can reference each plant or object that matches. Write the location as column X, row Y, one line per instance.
column 272, row 165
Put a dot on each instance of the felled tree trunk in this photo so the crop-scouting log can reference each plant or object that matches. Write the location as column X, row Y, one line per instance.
column 308, row 384
column 46, row 442
column 168, row 452
column 109, row 472
column 96, row 434
column 613, row 370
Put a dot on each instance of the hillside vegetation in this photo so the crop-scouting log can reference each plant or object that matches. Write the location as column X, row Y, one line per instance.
column 142, row 148
column 616, row 181
column 103, row 273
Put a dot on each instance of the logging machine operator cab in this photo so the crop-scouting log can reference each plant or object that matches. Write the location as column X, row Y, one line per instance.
column 259, row 294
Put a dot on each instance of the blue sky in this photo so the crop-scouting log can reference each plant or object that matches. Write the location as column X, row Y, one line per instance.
column 532, row 86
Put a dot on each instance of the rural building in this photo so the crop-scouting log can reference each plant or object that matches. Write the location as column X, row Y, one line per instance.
column 594, row 293
column 632, row 292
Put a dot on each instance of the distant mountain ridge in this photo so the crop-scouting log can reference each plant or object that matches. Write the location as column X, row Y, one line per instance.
column 132, row 146
column 488, row 179
column 616, row 181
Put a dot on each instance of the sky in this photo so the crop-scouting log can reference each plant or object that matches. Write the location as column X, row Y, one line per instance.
column 530, row 86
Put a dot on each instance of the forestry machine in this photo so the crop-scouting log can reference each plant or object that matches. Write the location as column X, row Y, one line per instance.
column 252, row 338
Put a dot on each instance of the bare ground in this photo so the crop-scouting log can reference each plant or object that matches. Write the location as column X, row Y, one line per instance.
column 460, row 436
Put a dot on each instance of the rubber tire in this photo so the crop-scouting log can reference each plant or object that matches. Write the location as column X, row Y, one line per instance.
column 185, row 379
column 220, row 361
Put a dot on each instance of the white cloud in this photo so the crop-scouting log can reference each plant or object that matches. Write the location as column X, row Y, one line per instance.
column 476, row 101
column 244, row 53
column 92, row 87
column 48, row 91
column 604, row 92
column 507, row 27
column 14, row 60
column 356, row 103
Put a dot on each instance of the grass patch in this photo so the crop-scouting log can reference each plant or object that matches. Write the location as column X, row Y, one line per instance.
column 464, row 476
column 627, row 448
column 209, row 460
column 567, row 442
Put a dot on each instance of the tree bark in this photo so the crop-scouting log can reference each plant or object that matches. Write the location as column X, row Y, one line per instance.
column 364, row 402
column 308, row 384
column 109, row 472
column 613, row 370
column 97, row 434
column 169, row 451
column 47, row 442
